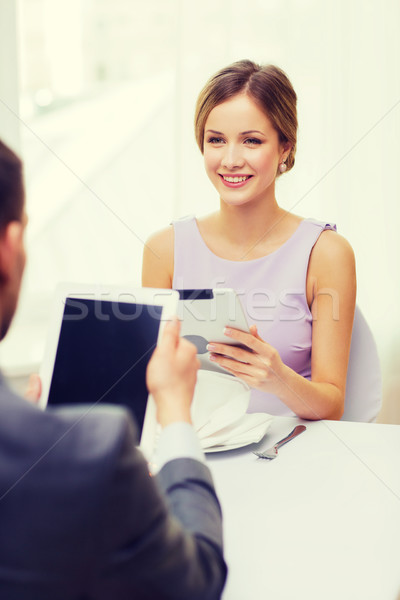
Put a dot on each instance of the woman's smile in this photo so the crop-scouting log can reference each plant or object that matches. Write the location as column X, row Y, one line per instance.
column 234, row 181
column 241, row 151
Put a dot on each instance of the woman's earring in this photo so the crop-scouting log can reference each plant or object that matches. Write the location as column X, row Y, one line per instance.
column 282, row 167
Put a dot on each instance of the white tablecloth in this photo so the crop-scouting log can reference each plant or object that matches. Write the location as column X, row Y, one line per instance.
column 321, row 521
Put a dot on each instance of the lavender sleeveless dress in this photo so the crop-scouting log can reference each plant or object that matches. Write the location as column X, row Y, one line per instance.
column 272, row 290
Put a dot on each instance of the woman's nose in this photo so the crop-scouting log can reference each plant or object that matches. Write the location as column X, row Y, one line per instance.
column 232, row 158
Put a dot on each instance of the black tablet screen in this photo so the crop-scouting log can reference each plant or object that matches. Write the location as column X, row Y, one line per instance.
column 102, row 354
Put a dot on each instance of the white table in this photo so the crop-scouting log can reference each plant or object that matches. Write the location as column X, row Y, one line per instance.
column 321, row 521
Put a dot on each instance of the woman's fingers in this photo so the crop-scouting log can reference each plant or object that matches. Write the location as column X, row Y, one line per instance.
column 234, row 352
column 256, row 362
column 242, row 362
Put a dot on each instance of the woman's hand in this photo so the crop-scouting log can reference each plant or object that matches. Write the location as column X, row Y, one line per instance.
column 259, row 364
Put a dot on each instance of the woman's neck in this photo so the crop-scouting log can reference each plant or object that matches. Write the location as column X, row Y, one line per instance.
column 248, row 223
column 247, row 231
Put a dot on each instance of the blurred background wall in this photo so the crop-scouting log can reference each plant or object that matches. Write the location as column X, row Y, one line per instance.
column 98, row 98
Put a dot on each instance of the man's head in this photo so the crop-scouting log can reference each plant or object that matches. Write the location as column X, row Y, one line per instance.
column 12, row 225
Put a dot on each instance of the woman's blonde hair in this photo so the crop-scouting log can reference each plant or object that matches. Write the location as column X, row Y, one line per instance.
column 267, row 85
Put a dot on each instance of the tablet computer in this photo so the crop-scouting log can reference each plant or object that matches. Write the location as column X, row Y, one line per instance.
column 100, row 341
column 204, row 314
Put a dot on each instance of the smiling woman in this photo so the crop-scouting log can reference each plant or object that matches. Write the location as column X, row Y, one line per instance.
column 105, row 83
column 296, row 356
column 247, row 152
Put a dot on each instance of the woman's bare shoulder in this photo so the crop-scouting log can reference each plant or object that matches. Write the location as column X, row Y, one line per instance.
column 158, row 259
column 333, row 246
column 161, row 240
column 332, row 258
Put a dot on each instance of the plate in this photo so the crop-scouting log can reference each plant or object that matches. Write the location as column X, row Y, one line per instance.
column 226, row 447
column 249, row 429
column 241, row 443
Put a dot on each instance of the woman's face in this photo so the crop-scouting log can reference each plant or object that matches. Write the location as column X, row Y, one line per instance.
column 242, row 151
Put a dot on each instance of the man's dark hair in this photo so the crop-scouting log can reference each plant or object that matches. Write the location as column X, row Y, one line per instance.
column 11, row 187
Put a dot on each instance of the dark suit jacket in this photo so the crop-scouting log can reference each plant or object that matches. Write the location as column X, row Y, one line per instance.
column 80, row 517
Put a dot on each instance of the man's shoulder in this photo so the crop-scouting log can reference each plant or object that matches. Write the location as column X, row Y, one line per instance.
column 95, row 431
column 77, row 433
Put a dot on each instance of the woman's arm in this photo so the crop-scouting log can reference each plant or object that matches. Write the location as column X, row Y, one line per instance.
column 158, row 259
column 331, row 291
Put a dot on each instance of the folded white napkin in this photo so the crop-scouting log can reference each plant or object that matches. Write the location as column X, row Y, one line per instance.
column 219, row 412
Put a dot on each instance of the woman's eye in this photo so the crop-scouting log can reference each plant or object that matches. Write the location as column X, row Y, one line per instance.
column 252, row 141
column 215, row 140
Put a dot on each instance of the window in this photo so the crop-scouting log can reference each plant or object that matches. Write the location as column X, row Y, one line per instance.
column 107, row 93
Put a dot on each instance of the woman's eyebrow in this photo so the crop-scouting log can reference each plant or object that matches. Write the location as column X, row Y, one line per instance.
column 252, row 131
column 241, row 133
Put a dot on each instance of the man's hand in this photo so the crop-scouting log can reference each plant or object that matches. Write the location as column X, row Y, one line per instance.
column 34, row 389
column 171, row 376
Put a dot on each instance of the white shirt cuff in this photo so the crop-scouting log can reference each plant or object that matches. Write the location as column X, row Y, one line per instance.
column 178, row 440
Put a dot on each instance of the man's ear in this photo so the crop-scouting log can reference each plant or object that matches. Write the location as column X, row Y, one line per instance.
column 11, row 240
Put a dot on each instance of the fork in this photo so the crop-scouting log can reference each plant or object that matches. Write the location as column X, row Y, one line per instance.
column 273, row 452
